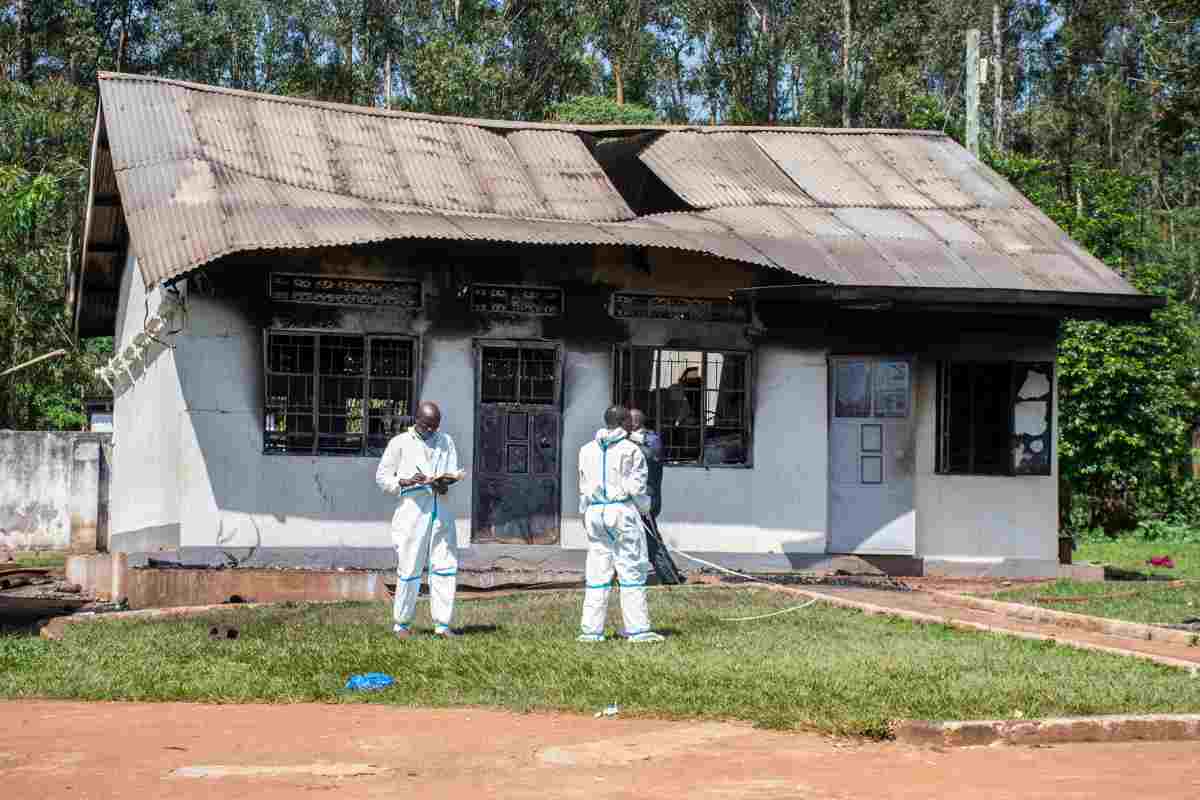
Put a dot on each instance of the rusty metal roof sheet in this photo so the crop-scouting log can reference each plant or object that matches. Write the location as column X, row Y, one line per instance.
column 710, row 170
column 205, row 172
column 566, row 174
column 812, row 162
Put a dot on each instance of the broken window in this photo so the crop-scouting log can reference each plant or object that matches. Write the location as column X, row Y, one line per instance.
column 697, row 400
column 335, row 394
column 994, row 418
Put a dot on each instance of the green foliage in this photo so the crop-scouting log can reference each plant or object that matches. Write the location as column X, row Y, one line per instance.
column 1127, row 392
column 449, row 77
column 43, row 146
column 600, row 111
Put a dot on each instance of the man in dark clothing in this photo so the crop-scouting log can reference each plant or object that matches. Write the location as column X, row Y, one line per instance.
column 652, row 448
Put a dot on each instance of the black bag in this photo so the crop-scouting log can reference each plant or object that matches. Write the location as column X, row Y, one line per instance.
column 660, row 557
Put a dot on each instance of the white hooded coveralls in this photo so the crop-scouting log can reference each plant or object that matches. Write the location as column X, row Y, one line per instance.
column 419, row 532
column 612, row 497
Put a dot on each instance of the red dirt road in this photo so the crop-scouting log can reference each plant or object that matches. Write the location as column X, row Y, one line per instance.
column 145, row 751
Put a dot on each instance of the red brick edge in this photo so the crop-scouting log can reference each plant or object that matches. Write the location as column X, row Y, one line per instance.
column 1068, row 619
column 933, row 619
column 1063, row 730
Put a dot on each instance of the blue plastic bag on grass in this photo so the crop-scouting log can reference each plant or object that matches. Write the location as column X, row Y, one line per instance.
column 370, row 682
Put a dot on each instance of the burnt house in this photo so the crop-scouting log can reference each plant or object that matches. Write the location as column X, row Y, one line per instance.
column 845, row 337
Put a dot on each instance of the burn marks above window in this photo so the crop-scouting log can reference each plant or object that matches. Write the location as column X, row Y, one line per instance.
column 634, row 305
column 516, row 300
column 329, row 290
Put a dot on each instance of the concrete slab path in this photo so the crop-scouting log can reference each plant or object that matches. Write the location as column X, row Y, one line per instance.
column 185, row 751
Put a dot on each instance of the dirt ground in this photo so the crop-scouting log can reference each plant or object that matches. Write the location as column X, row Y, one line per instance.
column 122, row 750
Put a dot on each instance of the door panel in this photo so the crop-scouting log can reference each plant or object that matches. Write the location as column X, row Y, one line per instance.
column 517, row 475
column 871, row 456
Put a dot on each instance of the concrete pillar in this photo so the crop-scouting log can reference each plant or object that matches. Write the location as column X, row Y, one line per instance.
column 85, row 496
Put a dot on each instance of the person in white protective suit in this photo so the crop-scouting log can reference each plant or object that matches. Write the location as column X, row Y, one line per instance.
column 418, row 466
column 612, row 498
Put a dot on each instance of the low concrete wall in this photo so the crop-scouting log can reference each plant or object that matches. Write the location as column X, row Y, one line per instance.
column 53, row 490
column 109, row 577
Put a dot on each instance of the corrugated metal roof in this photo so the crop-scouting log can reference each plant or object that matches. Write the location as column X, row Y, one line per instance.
column 817, row 168
column 566, row 174
column 204, row 173
column 711, row 170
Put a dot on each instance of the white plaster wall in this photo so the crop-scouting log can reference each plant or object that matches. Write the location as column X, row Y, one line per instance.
column 236, row 496
column 145, row 452
column 587, row 393
column 35, row 490
column 188, row 451
column 780, row 505
column 983, row 518
column 449, row 380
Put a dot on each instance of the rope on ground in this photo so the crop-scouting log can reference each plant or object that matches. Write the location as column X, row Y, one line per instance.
column 751, row 579
column 772, row 614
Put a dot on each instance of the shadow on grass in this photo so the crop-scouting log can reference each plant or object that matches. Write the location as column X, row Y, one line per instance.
column 478, row 630
column 1119, row 574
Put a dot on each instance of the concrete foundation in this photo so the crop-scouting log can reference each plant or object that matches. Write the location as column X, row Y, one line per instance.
column 164, row 580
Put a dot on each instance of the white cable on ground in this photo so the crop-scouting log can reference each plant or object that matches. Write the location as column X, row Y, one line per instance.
column 749, row 578
column 772, row 614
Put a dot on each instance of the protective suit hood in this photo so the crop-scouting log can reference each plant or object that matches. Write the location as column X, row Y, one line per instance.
column 607, row 438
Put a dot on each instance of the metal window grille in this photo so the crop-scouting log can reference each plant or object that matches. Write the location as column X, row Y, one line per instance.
column 335, row 394
column 699, row 401
column 522, row 375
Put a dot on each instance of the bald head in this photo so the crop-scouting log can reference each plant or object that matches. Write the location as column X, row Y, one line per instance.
column 429, row 418
column 615, row 417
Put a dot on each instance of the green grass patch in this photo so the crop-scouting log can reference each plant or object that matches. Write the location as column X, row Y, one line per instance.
column 1127, row 557
column 1153, row 602
column 39, row 558
column 822, row 668
column 1136, row 591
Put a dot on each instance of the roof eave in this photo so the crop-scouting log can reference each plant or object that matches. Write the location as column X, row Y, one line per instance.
column 1010, row 302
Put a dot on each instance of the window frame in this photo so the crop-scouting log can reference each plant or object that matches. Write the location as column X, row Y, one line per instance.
column 942, row 408
column 619, row 351
column 315, row 334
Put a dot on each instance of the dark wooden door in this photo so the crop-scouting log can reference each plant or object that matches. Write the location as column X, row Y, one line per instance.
column 518, row 443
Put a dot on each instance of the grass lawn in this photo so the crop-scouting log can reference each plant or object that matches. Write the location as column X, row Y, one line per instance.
column 822, row 668
column 1144, row 593
column 39, row 558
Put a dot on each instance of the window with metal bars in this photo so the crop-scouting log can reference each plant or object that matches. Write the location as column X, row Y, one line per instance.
column 994, row 418
column 523, row 375
column 335, row 394
column 699, row 401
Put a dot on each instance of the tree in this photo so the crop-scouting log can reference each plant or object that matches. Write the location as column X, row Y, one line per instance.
column 600, row 111
column 619, row 32
column 43, row 139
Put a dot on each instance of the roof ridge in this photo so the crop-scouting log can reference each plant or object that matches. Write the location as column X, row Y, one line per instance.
column 510, row 125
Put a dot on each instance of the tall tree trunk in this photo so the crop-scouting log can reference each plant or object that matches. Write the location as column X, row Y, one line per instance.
column 769, row 33
column 997, row 79
column 619, row 78
column 846, row 33
column 387, row 80
column 25, row 41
